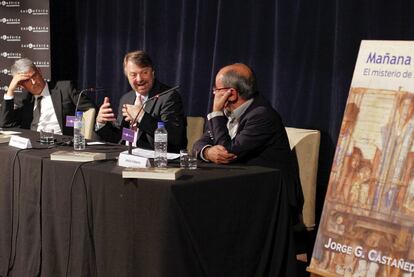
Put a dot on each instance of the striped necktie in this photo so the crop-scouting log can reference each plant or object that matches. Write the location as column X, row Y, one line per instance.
column 138, row 100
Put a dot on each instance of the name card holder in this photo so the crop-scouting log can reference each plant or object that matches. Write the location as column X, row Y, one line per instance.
column 70, row 120
column 20, row 142
column 128, row 160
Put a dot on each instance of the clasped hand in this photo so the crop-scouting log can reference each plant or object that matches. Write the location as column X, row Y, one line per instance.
column 130, row 112
column 218, row 154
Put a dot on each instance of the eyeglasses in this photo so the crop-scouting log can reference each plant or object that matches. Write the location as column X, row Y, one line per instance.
column 217, row 89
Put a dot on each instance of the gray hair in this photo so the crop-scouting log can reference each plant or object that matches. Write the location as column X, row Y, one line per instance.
column 22, row 65
column 246, row 87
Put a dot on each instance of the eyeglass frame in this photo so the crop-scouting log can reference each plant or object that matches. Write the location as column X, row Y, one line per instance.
column 217, row 89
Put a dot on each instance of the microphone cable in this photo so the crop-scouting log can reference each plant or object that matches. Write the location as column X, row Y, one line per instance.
column 13, row 241
column 89, row 220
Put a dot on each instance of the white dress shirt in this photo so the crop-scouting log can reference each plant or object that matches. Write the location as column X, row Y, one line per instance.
column 48, row 119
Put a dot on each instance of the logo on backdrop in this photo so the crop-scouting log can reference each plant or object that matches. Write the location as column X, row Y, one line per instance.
column 35, row 11
column 24, row 31
column 36, row 46
column 6, row 71
column 9, row 55
column 36, row 29
column 10, row 4
column 42, row 64
column 5, row 88
column 10, row 38
column 10, row 20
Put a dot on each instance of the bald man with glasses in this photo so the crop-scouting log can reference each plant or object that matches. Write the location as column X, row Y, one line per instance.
column 244, row 128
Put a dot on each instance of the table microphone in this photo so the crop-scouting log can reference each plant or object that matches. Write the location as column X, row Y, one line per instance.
column 152, row 98
column 92, row 89
column 142, row 107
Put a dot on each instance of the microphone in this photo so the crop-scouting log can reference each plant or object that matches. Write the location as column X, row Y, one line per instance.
column 150, row 99
column 91, row 89
column 142, row 107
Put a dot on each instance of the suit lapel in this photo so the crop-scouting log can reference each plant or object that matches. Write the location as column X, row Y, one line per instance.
column 156, row 89
column 242, row 118
column 131, row 98
column 149, row 106
column 31, row 100
column 57, row 100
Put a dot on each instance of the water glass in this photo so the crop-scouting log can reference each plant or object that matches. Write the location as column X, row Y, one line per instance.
column 47, row 136
column 184, row 158
column 188, row 160
column 192, row 161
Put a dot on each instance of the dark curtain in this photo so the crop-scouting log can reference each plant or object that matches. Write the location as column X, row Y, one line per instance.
column 303, row 52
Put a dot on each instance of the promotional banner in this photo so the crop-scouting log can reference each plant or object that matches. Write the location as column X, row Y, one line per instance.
column 367, row 224
column 24, row 32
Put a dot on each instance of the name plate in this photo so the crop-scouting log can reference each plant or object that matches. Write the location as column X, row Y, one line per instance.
column 127, row 160
column 20, row 142
column 70, row 120
column 128, row 135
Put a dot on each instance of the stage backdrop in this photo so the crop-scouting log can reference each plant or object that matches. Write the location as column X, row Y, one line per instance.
column 367, row 224
column 303, row 52
column 24, row 32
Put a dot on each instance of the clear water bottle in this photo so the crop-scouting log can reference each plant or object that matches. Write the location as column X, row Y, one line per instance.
column 160, row 145
column 78, row 132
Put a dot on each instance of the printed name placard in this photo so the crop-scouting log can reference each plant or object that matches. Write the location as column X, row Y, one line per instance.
column 128, row 160
column 20, row 142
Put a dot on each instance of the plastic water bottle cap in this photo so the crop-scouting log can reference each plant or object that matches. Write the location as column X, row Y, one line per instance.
column 160, row 124
column 79, row 114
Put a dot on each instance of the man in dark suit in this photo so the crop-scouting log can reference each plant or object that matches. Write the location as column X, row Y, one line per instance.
column 244, row 128
column 40, row 105
column 139, row 109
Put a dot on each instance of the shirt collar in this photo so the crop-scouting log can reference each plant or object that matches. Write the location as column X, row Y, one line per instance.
column 45, row 91
column 143, row 97
column 237, row 113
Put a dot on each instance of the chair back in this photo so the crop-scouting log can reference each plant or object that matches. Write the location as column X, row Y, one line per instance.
column 89, row 121
column 195, row 128
column 305, row 143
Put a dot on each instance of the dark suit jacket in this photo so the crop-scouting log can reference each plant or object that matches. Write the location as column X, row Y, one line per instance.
column 261, row 139
column 167, row 108
column 18, row 112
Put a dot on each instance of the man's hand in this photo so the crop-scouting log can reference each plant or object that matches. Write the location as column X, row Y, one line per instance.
column 16, row 81
column 218, row 155
column 130, row 112
column 220, row 99
column 105, row 113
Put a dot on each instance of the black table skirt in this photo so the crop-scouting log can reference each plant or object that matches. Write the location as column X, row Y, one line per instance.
column 73, row 219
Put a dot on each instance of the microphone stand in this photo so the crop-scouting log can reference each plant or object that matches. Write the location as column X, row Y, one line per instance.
column 131, row 126
column 142, row 107
column 80, row 94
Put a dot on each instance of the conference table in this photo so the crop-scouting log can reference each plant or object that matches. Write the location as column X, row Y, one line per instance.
column 60, row 218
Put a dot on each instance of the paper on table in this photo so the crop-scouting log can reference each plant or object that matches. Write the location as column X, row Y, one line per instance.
column 95, row 143
column 10, row 132
column 150, row 153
